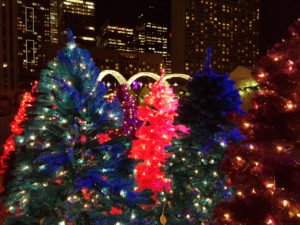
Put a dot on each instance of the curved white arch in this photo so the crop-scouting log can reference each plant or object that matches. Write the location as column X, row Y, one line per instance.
column 142, row 74
column 176, row 75
column 119, row 77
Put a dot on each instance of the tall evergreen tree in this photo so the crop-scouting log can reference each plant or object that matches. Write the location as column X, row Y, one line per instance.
column 198, row 183
column 154, row 135
column 265, row 169
column 67, row 170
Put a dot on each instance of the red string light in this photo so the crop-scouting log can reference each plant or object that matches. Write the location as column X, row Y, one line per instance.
column 16, row 127
column 154, row 135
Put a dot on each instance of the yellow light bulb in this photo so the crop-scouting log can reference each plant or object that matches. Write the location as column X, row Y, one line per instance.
column 227, row 216
column 285, row 203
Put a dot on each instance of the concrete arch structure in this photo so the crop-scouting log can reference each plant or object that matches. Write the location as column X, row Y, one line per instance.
column 119, row 77
column 142, row 74
column 176, row 75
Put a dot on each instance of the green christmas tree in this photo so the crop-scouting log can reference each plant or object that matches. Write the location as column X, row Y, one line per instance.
column 198, row 183
column 67, row 169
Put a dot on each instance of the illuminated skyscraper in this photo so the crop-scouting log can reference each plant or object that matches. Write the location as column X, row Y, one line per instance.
column 55, row 14
column 79, row 15
column 115, row 38
column 24, row 33
column 230, row 27
column 33, row 34
column 152, row 31
column 29, row 27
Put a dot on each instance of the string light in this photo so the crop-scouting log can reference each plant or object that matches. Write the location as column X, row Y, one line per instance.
column 279, row 148
column 290, row 106
column 246, row 124
column 239, row 193
column 16, row 129
column 269, row 185
column 157, row 115
column 270, row 221
column 227, row 216
column 71, row 45
column 25, row 168
column 285, row 203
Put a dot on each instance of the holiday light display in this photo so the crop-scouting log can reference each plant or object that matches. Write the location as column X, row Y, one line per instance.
column 198, row 183
column 82, row 157
column 265, row 169
column 67, row 168
column 16, row 128
column 155, row 134
column 128, row 102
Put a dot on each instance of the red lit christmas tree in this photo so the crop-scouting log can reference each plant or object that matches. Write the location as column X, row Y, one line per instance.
column 154, row 135
column 265, row 170
column 16, row 128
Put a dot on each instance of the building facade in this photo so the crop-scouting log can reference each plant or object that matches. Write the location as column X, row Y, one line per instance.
column 153, row 29
column 24, row 36
column 116, row 38
column 55, row 26
column 29, row 28
column 78, row 15
column 33, row 34
column 230, row 27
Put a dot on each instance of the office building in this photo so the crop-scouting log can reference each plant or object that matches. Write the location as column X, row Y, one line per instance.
column 152, row 30
column 33, row 34
column 29, row 28
column 55, row 25
column 230, row 27
column 79, row 15
column 116, row 38
column 24, row 34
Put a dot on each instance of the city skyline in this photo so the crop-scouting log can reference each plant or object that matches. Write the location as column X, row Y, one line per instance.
column 275, row 17
column 32, row 32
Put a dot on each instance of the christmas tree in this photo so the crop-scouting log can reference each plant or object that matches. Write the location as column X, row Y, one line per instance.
column 67, row 169
column 128, row 102
column 155, row 134
column 16, row 128
column 198, row 183
column 265, row 169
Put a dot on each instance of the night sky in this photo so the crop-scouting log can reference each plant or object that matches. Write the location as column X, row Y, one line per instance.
column 121, row 12
column 276, row 16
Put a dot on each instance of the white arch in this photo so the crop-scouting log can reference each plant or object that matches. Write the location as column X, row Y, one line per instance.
column 176, row 75
column 142, row 74
column 119, row 77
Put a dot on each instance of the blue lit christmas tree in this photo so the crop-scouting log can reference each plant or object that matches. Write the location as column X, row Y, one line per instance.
column 67, row 169
column 198, row 183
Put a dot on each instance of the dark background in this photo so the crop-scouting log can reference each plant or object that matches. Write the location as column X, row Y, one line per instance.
column 121, row 12
column 276, row 16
